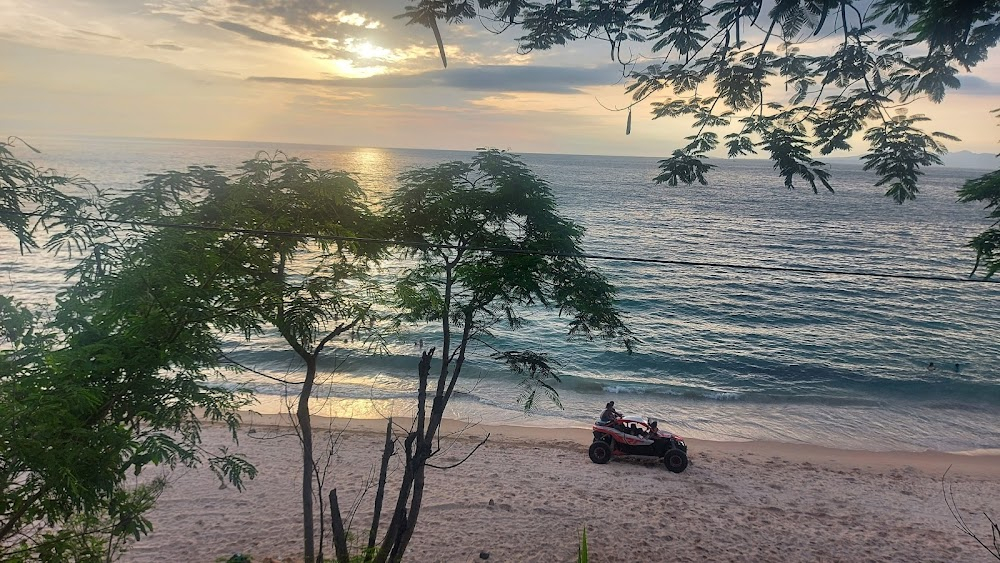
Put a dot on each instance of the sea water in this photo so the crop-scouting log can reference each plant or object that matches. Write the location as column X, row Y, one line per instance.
column 726, row 353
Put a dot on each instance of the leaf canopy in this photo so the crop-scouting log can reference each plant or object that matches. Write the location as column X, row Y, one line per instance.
column 489, row 243
column 723, row 61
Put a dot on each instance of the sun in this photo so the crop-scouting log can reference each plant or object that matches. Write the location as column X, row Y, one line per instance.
column 362, row 59
column 366, row 50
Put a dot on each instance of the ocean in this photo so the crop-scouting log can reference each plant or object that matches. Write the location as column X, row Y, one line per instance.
column 725, row 353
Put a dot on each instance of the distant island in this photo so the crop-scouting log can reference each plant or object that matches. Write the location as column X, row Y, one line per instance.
column 966, row 159
column 959, row 159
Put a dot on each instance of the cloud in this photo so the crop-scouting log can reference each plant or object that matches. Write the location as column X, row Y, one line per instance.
column 263, row 36
column 489, row 78
column 361, row 31
column 319, row 17
column 313, row 21
column 357, row 20
column 166, row 46
column 95, row 34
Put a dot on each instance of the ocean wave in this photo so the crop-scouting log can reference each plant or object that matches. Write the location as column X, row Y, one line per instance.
column 723, row 396
column 616, row 389
column 739, row 379
column 672, row 391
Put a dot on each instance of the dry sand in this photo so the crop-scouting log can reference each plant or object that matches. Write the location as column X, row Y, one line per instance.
column 747, row 501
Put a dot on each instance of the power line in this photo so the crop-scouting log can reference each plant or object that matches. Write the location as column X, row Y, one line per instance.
column 501, row 250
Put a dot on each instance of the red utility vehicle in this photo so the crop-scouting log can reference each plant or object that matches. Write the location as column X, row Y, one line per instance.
column 637, row 435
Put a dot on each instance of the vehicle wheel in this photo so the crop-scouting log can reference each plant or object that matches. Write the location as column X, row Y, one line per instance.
column 675, row 460
column 600, row 452
column 606, row 438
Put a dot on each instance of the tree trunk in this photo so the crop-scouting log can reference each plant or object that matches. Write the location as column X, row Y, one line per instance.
column 398, row 521
column 387, row 452
column 397, row 534
column 305, row 427
column 339, row 536
column 418, row 497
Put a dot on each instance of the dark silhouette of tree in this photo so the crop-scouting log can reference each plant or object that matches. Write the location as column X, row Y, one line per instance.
column 274, row 261
column 457, row 219
column 737, row 67
column 33, row 200
column 114, row 382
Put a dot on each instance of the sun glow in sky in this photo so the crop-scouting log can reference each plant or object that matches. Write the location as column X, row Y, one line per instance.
column 348, row 68
column 341, row 72
column 365, row 50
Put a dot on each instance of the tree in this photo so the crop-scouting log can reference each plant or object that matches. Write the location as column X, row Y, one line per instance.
column 487, row 244
column 277, row 257
column 112, row 384
column 311, row 308
column 32, row 199
column 730, row 65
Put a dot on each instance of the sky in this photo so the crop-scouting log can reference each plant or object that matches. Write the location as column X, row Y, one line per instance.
column 343, row 73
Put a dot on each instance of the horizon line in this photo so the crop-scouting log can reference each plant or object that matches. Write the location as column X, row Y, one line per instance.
column 841, row 158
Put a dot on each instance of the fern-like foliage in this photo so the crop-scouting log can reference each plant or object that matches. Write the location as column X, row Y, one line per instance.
column 887, row 53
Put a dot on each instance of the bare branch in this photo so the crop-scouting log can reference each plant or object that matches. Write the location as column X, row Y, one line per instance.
column 463, row 459
column 949, row 499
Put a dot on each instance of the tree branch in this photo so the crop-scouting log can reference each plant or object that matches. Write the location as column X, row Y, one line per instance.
column 463, row 459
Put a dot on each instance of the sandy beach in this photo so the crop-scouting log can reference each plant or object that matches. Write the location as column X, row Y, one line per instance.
column 526, row 494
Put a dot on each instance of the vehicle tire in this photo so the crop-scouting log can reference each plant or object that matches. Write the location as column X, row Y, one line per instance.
column 600, row 452
column 675, row 460
column 602, row 437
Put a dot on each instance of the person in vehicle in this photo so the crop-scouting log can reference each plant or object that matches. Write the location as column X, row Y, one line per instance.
column 610, row 414
column 652, row 430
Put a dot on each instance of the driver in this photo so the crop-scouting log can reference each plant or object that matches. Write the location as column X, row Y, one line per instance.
column 610, row 414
